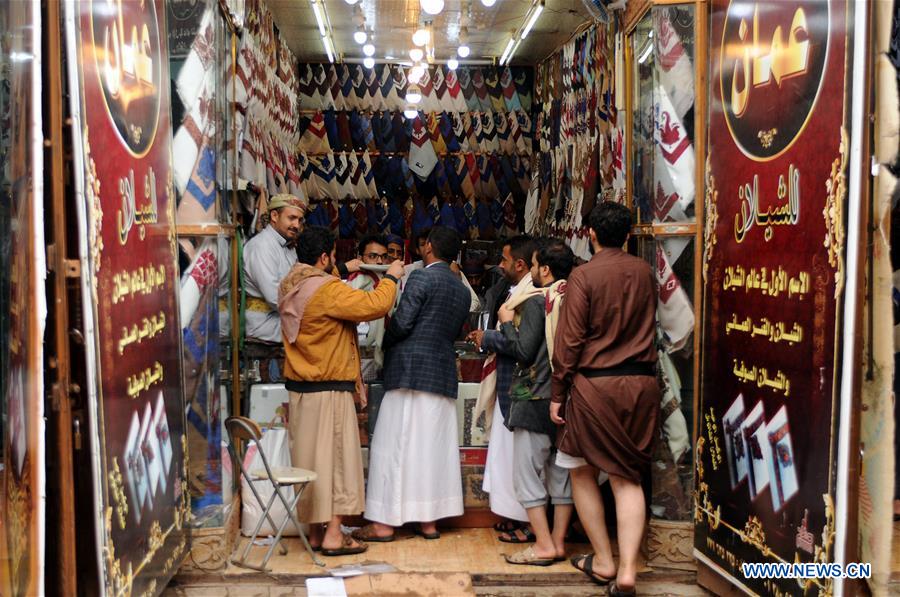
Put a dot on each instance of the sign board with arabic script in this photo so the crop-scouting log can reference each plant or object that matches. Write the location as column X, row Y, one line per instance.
column 118, row 53
column 773, row 271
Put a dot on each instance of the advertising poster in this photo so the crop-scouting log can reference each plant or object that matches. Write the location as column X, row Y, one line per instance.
column 23, row 308
column 124, row 143
column 774, row 277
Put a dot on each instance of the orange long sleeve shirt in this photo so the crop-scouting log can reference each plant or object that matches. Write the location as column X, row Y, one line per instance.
column 326, row 347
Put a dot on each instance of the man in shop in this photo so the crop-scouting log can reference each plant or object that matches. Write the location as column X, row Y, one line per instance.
column 528, row 327
column 268, row 257
column 414, row 473
column 395, row 247
column 319, row 315
column 605, row 396
column 493, row 398
column 372, row 251
column 419, row 241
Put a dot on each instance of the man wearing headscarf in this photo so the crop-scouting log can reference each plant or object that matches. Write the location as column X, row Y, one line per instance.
column 268, row 257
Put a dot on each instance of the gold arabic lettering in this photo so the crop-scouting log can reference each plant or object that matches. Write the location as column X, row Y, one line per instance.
column 750, row 215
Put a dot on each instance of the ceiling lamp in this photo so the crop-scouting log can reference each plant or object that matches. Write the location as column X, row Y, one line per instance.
column 489, row 3
column 509, row 47
column 452, row 64
column 369, row 62
column 351, row 2
column 320, row 20
column 415, row 74
column 432, row 7
column 420, row 37
column 463, row 49
column 413, row 94
column 416, row 54
column 536, row 11
column 369, row 49
column 360, row 36
column 410, row 112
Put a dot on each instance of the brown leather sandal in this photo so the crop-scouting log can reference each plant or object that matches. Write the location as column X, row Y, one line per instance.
column 347, row 548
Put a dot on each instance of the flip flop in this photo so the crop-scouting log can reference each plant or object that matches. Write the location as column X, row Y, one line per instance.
column 429, row 536
column 527, row 557
column 588, row 569
column 507, row 526
column 346, row 549
column 367, row 534
column 615, row 591
column 514, row 538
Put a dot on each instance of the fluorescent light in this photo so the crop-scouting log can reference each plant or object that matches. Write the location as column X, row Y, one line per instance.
column 328, row 49
column 513, row 51
column 509, row 46
column 420, row 37
column 369, row 49
column 432, row 7
column 536, row 12
column 463, row 51
column 369, row 62
column 360, row 36
column 452, row 63
column 317, row 10
column 416, row 54
column 645, row 53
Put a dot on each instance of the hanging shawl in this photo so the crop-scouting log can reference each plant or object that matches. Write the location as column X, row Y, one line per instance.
column 395, row 217
column 483, row 217
column 460, row 218
column 429, row 101
column 524, row 83
column 472, row 121
column 425, row 187
column 490, row 143
column 326, row 184
column 368, row 136
column 495, row 93
column 478, row 131
column 305, row 87
column 434, row 132
column 445, row 126
column 531, row 205
column 373, row 92
column 676, row 74
column 471, row 212
column 510, row 95
column 446, row 216
column 316, row 101
column 318, row 216
column 376, row 214
column 386, row 127
column 351, row 102
column 367, row 176
column 400, row 84
column 422, row 157
column 468, row 90
column 377, row 131
column 487, row 394
column 675, row 311
column 385, row 75
column 474, row 174
column 401, row 139
column 454, row 97
column 360, row 216
column 458, row 122
column 674, row 166
column 344, row 134
column 198, row 202
column 315, row 138
column 441, row 180
column 360, row 88
column 347, row 224
column 481, row 90
column 510, row 227
column 434, row 210
column 505, row 142
column 357, row 179
column 334, row 86
column 439, row 85
column 331, row 128
column 449, row 167
column 409, row 177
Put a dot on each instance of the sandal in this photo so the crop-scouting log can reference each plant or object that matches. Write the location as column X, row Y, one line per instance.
column 615, row 591
column 587, row 561
column 367, row 534
column 507, row 526
column 347, row 548
column 527, row 557
column 514, row 537
column 429, row 536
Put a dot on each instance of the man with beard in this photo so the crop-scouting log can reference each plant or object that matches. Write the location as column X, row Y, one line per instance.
column 319, row 315
column 372, row 250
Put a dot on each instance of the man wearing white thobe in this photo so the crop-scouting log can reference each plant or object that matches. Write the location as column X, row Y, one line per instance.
column 414, row 473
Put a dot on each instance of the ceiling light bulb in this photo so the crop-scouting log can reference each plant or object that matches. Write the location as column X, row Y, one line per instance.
column 452, row 64
column 351, row 2
column 432, row 7
column 410, row 112
column 413, row 94
column 369, row 62
column 369, row 49
column 416, row 54
column 420, row 37
column 415, row 74
column 463, row 51
column 489, row 3
column 360, row 36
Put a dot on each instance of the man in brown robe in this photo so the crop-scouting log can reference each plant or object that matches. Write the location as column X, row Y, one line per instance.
column 605, row 394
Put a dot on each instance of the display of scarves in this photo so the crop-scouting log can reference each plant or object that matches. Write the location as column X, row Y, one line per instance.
column 439, row 86
column 434, row 132
column 673, row 167
column 468, row 89
column 315, row 138
column 495, row 92
column 676, row 73
column 481, row 90
column 460, row 130
column 510, row 93
column 505, row 142
column 335, row 94
column 373, row 90
column 675, row 311
column 454, row 97
column 422, row 157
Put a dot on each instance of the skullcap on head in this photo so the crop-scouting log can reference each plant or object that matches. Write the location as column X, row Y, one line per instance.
column 286, row 200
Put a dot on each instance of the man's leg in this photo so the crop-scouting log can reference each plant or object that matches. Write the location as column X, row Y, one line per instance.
column 630, row 519
column 559, row 485
column 562, row 515
column 530, row 453
column 586, row 494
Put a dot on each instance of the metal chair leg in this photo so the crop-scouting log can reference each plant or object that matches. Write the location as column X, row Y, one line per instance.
column 292, row 512
column 243, row 561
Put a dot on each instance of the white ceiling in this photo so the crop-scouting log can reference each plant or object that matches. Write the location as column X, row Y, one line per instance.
column 394, row 21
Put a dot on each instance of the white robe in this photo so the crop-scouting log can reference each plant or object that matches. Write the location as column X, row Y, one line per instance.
column 414, row 471
column 498, row 472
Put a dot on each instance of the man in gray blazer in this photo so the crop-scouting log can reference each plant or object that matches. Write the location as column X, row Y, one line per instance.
column 414, row 473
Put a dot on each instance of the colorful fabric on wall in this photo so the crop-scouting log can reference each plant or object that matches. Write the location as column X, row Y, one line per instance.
column 510, row 94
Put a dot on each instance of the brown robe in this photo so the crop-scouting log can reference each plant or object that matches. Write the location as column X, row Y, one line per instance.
column 608, row 319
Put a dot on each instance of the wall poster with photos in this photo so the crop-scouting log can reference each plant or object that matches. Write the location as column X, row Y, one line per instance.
column 119, row 70
column 774, row 277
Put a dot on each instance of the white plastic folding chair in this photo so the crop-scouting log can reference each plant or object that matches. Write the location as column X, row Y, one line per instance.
column 241, row 431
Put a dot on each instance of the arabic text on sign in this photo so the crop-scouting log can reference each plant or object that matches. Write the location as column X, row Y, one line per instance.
column 150, row 327
column 143, row 280
column 128, row 64
column 775, row 331
column 781, row 59
column 129, row 215
column 750, row 215
column 144, row 380
column 773, row 283
column 779, row 382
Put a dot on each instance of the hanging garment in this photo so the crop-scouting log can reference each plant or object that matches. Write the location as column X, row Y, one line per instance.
column 472, row 121
column 409, row 176
column 495, row 92
column 305, row 172
column 334, row 86
column 426, row 84
column 331, row 128
column 361, row 219
column 510, row 227
column 344, row 134
column 675, row 311
column 401, row 139
column 486, row 229
column 198, row 202
column 196, row 125
column 481, row 90
column 674, row 163
column 478, row 131
column 316, row 100
column 422, row 157
column 347, row 223
column 376, row 215
column 425, row 187
column 510, row 95
column 446, row 215
column 468, row 89
column 360, row 87
column 434, row 132
column 524, row 80
column 396, row 177
column 400, row 85
column 327, row 182
column 474, row 175
column 531, row 205
column 368, row 175
column 454, row 97
column 368, row 136
column 510, row 180
column 471, row 210
column 445, row 126
column 458, row 122
column 386, row 126
column 503, row 189
column 351, row 102
column 315, row 138
column 319, row 215
column 505, row 142
column 357, row 131
column 439, row 85
column 395, row 217
column 324, row 84
column 385, row 76
column 441, row 180
column 357, row 178
column 377, row 131
column 460, row 165
column 374, row 99
column 460, row 220
column 305, row 87
column 676, row 73
column 488, row 183
column 449, row 163
column 490, row 143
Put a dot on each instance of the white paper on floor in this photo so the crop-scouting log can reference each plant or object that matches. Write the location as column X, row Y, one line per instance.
column 325, row 587
column 347, row 570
